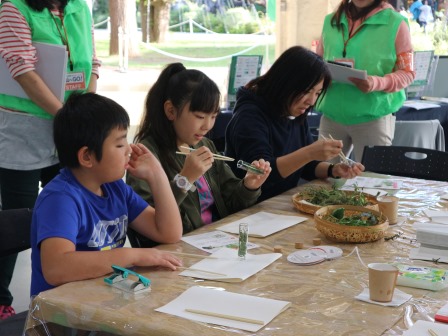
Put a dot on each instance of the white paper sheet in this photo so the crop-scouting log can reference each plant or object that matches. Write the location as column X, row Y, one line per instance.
column 372, row 182
column 420, row 105
column 213, row 241
column 341, row 73
column 263, row 224
column 429, row 253
column 399, row 298
column 440, row 217
column 420, row 328
column 51, row 67
column 233, row 269
column 227, row 303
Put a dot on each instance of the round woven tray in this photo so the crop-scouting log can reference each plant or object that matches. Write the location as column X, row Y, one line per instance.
column 312, row 208
column 350, row 234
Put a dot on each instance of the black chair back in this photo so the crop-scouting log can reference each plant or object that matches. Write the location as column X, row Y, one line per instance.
column 412, row 162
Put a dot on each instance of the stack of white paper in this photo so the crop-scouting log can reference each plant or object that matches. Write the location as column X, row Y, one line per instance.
column 432, row 234
column 225, row 308
column 263, row 224
column 227, row 267
column 433, row 237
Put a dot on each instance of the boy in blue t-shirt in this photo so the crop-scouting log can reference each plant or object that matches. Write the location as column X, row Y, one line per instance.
column 81, row 217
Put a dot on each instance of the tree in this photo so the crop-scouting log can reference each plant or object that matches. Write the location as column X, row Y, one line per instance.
column 159, row 20
column 123, row 14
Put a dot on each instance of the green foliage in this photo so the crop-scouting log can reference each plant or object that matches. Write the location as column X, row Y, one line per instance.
column 236, row 20
column 358, row 219
column 324, row 196
column 436, row 37
column 100, row 12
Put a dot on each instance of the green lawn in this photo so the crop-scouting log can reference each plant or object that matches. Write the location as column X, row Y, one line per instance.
column 188, row 48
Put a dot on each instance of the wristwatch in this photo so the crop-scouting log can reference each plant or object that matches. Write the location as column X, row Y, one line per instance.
column 183, row 183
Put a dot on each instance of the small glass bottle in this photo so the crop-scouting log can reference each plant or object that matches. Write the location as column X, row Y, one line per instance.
column 248, row 167
column 242, row 240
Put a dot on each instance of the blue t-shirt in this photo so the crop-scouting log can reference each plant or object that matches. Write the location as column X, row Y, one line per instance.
column 66, row 209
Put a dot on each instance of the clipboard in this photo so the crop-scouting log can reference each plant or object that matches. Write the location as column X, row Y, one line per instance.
column 341, row 73
column 51, row 67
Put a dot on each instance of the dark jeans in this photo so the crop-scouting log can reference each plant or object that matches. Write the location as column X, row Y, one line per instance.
column 19, row 189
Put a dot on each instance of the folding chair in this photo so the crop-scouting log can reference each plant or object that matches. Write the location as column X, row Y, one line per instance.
column 413, row 162
column 15, row 230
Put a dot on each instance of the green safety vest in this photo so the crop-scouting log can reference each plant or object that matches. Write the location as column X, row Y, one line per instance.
column 78, row 25
column 373, row 49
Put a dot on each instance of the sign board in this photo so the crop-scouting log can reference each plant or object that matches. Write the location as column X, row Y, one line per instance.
column 243, row 69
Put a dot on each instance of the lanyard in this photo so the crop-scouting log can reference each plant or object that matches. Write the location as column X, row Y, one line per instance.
column 64, row 38
column 350, row 35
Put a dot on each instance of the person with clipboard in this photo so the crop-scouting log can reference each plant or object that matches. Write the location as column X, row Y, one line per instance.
column 368, row 35
column 26, row 137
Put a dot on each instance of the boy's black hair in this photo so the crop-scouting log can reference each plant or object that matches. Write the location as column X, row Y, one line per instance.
column 86, row 119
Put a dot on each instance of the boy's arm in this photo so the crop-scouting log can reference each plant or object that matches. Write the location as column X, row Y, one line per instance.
column 163, row 222
column 61, row 263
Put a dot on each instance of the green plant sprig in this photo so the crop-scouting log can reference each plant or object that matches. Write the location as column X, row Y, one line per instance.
column 323, row 196
column 362, row 219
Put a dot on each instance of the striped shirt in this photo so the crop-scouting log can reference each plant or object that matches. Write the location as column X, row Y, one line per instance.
column 15, row 41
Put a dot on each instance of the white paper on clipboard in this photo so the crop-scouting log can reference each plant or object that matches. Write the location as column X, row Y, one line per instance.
column 51, row 67
column 341, row 73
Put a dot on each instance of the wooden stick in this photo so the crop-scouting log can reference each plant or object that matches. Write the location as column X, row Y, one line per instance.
column 341, row 154
column 201, row 271
column 192, row 255
column 224, row 316
column 432, row 332
column 222, row 157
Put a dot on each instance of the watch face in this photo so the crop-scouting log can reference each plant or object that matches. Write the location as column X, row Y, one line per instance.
column 182, row 182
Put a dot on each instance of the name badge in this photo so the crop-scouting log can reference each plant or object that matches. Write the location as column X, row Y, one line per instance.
column 75, row 81
column 348, row 61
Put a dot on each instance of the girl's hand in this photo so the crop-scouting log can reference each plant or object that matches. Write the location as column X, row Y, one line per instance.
column 325, row 150
column 345, row 171
column 143, row 164
column 197, row 162
column 254, row 181
column 365, row 85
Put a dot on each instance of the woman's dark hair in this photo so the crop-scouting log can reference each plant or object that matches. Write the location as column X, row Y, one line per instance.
column 181, row 87
column 291, row 76
column 347, row 7
column 40, row 5
column 86, row 119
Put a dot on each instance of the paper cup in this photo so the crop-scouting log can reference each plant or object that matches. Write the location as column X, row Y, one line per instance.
column 382, row 279
column 389, row 207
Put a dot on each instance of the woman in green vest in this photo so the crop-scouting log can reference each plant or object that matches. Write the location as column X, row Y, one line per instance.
column 367, row 35
column 28, row 155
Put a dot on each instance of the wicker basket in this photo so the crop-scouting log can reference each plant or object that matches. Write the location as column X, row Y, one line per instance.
column 309, row 208
column 350, row 234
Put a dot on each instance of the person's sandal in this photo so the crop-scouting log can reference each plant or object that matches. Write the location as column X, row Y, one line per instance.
column 6, row 312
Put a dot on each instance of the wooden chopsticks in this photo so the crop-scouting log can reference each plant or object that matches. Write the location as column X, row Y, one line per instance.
column 224, row 316
column 344, row 159
column 216, row 156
